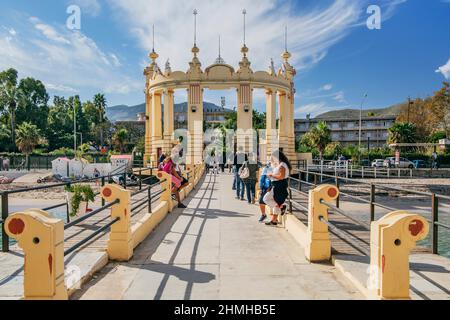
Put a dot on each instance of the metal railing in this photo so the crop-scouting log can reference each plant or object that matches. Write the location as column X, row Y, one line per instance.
column 369, row 199
column 119, row 172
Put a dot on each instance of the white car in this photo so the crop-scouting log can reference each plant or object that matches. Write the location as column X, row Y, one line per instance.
column 403, row 163
column 378, row 163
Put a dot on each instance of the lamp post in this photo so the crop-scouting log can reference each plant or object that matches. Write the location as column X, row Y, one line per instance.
column 74, row 129
column 360, row 127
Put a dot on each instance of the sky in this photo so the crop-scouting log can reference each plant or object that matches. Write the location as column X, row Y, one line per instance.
column 338, row 55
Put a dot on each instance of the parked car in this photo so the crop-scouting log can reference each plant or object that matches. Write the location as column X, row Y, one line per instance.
column 378, row 163
column 403, row 163
column 420, row 164
column 365, row 162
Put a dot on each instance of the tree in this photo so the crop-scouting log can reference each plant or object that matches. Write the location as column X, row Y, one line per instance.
column 334, row 150
column 120, row 139
column 60, row 124
column 441, row 107
column 318, row 137
column 5, row 134
column 402, row 132
column 9, row 97
column 28, row 137
column 100, row 105
column 33, row 103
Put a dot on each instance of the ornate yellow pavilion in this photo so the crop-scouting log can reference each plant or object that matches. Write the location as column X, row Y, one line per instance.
column 218, row 76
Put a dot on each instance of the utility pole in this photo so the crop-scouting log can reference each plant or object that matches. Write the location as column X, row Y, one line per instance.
column 74, row 129
column 409, row 105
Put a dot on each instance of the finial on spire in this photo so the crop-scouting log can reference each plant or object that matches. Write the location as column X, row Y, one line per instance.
column 272, row 67
column 168, row 69
column 286, row 55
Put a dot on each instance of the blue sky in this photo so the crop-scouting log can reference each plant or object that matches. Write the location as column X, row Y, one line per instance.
column 337, row 57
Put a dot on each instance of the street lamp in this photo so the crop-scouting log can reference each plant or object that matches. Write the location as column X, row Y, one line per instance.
column 360, row 126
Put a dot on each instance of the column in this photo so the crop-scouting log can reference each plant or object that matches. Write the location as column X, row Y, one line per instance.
column 283, row 126
column 271, row 122
column 246, row 140
column 148, row 128
column 156, row 121
column 194, row 153
column 168, row 120
column 290, row 150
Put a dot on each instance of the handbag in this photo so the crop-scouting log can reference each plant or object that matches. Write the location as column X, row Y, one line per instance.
column 244, row 173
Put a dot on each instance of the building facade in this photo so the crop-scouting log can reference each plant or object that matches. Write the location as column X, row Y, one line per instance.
column 374, row 130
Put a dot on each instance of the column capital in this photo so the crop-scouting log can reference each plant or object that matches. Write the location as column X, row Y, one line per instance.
column 269, row 91
column 281, row 93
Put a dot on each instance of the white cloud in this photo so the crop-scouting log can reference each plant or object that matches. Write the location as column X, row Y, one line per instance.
column 64, row 59
column 91, row 7
column 60, row 88
column 340, row 97
column 445, row 69
column 327, row 87
column 311, row 33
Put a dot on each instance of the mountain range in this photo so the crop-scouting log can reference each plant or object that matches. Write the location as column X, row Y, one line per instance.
column 126, row 113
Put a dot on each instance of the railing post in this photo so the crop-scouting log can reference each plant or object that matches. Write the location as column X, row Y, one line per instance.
column 372, row 202
column 337, row 197
column 318, row 244
column 315, row 179
column 120, row 243
column 125, row 180
column 140, row 179
column 42, row 239
column 103, row 184
column 166, row 185
column 362, row 172
column 435, row 218
column 150, row 200
column 5, row 214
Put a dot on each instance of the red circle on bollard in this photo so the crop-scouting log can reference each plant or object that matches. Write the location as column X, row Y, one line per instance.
column 16, row 226
column 332, row 192
column 107, row 192
column 159, row 175
column 415, row 227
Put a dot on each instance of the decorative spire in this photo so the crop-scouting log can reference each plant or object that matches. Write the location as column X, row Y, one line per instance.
column 219, row 59
column 153, row 55
column 244, row 49
column 195, row 50
column 286, row 55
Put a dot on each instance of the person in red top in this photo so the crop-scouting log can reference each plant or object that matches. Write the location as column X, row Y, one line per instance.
column 169, row 167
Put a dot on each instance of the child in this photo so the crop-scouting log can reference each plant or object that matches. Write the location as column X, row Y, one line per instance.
column 265, row 185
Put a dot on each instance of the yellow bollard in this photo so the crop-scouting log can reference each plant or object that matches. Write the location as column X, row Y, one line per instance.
column 318, row 244
column 120, row 243
column 167, row 186
column 42, row 239
column 391, row 240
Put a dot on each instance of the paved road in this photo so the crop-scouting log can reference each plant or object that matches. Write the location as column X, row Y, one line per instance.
column 216, row 249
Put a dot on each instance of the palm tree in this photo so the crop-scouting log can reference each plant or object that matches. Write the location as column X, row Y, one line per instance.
column 5, row 133
column 100, row 105
column 9, row 96
column 120, row 139
column 318, row 137
column 402, row 132
column 28, row 137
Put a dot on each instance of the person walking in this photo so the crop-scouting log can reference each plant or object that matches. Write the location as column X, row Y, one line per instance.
column 250, row 181
column 239, row 159
column 264, row 185
column 279, row 192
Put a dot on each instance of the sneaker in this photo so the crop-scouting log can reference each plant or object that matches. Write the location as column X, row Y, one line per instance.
column 271, row 223
column 182, row 206
column 262, row 218
column 242, row 199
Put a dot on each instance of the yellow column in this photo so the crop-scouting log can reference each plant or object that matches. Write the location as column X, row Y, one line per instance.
column 318, row 244
column 156, row 126
column 245, row 135
column 290, row 117
column 283, row 126
column 148, row 128
column 195, row 125
column 391, row 240
column 42, row 239
column 168, row 120
column 271, row 121
column 120, row 243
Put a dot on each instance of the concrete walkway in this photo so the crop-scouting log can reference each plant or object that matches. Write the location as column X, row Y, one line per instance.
column 216, row 249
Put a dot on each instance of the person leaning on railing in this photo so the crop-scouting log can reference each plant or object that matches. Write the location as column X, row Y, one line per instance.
column 169, row 167
column 264, row 185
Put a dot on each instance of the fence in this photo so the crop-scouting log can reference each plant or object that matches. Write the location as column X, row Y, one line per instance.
column 303, row 180
column 121, row 174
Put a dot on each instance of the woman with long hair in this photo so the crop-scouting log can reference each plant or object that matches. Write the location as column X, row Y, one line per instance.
column 169, row 167
column 275, row 199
